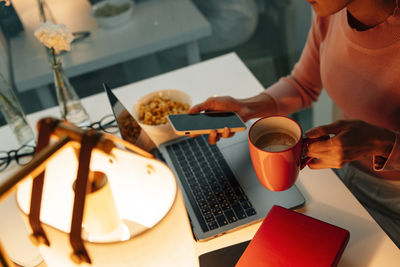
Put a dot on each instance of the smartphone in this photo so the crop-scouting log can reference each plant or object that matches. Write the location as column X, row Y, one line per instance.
column 203, row 123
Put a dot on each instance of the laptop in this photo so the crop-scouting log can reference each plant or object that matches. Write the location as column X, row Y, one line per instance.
column 220, row 188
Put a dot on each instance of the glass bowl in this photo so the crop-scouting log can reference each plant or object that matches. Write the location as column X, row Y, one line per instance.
column 112, row 13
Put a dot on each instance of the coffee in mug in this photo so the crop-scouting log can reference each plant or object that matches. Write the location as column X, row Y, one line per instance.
column 276, row 141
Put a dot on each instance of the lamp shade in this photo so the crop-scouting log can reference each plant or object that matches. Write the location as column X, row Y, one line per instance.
column 137, row 216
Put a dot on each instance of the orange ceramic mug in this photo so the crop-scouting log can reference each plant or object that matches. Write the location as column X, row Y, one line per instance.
column 277, row 149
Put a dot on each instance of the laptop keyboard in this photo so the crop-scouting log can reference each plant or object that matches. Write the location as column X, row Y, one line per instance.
column 215, row 194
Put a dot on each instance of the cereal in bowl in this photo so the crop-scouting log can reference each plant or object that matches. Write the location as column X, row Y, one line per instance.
column 155, row 112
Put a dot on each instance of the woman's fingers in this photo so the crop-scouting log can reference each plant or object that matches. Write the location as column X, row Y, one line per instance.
column 333, row 128
column 197, row 108
column 325, row 163
column 212, row 103
column 324, row 145
column 318, row 164
column 226, row 133
column 213, row 137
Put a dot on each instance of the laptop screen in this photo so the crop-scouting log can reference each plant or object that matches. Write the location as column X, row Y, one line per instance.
column 129, row 128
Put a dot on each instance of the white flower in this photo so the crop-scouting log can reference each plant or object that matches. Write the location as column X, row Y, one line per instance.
column 55, row 36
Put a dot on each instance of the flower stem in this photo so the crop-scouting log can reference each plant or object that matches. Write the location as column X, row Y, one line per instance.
column 61, row 85
column 41, row 10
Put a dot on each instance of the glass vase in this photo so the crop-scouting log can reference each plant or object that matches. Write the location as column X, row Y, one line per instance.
column 13, row 113
column 70, row 105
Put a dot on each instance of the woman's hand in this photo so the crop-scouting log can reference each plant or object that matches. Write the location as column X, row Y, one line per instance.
column 352, row 140
column 248, row 108
column 222, row 103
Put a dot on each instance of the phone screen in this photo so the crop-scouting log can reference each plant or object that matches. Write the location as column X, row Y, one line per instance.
column 206, row 121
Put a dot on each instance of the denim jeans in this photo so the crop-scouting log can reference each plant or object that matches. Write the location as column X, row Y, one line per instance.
column 381, row 198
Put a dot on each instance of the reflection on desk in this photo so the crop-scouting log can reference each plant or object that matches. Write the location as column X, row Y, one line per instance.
column 156, row 25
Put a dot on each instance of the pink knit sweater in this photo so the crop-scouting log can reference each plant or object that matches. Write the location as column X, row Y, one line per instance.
column 360, row 71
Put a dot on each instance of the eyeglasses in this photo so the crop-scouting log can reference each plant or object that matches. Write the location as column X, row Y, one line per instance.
column 106, row 124
column 22, row 156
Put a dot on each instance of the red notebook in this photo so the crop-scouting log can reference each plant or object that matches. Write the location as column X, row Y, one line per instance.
column 289, row 238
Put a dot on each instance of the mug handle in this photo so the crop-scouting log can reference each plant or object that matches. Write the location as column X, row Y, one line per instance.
column 307, row 141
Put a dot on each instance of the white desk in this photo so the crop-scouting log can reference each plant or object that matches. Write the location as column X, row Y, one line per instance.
column 326, row 197
column 155, row 25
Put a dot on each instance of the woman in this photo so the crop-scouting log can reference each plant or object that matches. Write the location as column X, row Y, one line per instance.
column 352, row 51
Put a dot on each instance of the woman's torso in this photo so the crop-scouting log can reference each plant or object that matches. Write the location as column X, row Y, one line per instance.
column 361, row 73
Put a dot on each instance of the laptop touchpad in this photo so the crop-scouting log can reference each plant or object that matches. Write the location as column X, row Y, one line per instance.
column 238, row 157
